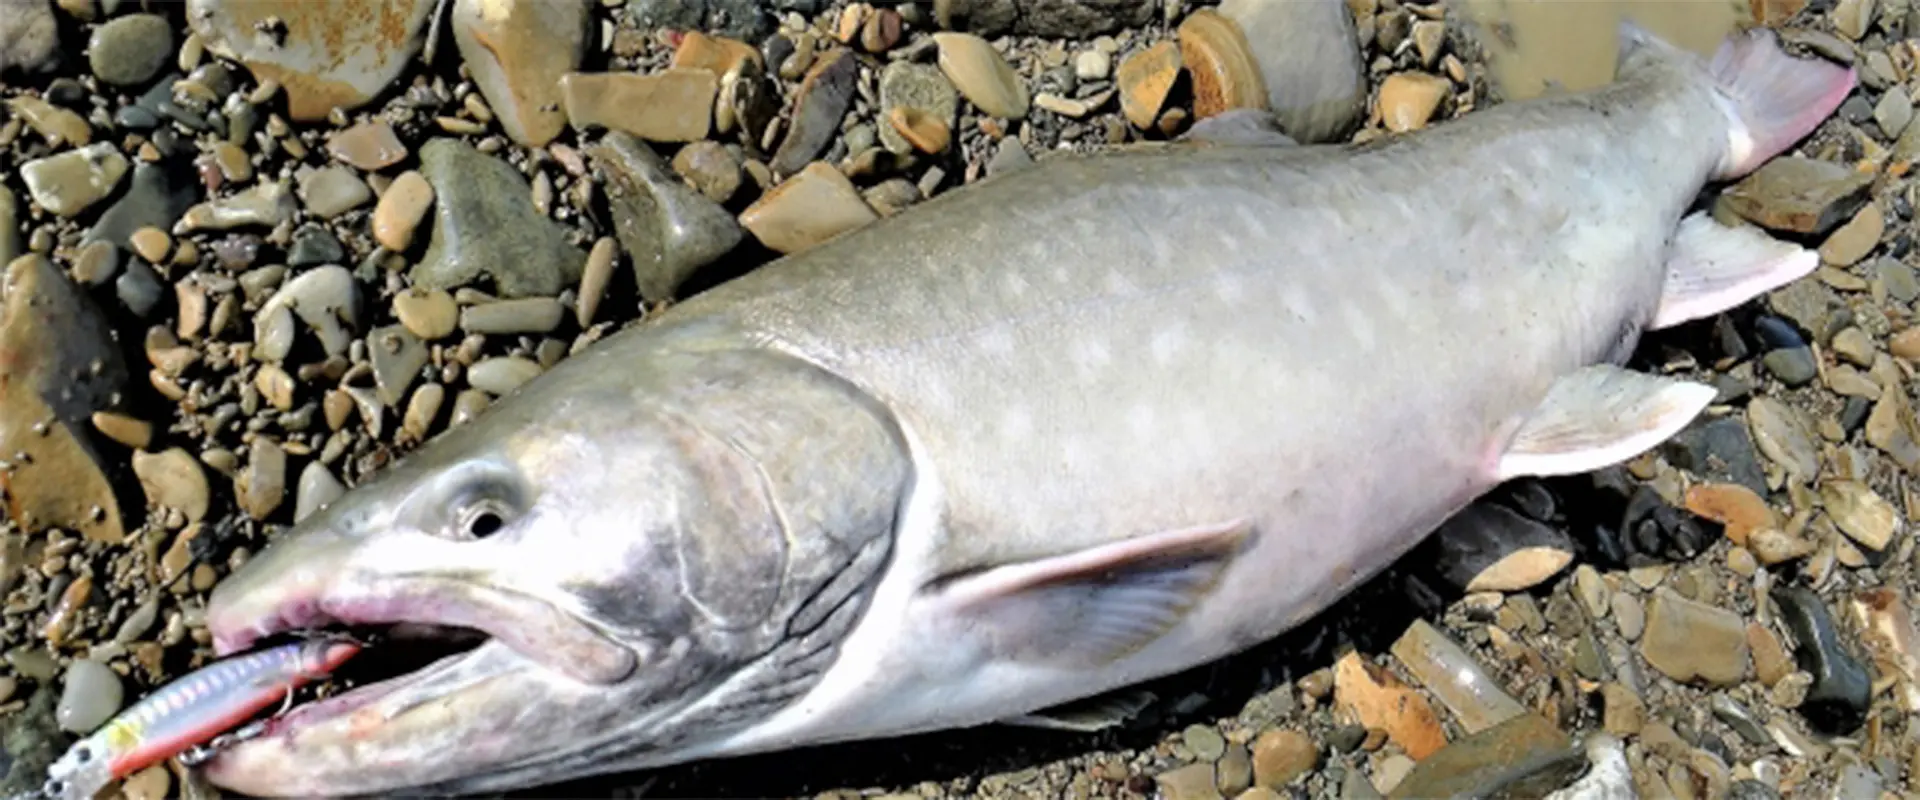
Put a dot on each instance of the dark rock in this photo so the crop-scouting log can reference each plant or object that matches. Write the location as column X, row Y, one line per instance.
column 1837, row 701
column 484, row 224
column 313, row 244
column 1793, row 366
column 668, row 229
column 1854, row 413
column 139, row 288
column 1523, row 756
column 32, row 740
column 157, row 196
column 1076, row 19
column 1750, row 789
column 1718, row 450
column 824, row 96
column 736, row 19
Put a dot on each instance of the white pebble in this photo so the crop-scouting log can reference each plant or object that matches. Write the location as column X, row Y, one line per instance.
column 1092, row 65
column 92, row 695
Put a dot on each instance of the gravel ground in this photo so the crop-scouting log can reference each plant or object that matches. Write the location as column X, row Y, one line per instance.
column 227, row 300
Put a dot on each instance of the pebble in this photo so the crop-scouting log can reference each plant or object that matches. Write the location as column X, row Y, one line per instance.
column 485, row 224
column 397, row 357
column 91, row 694
column 400, row 210
column 265, row 205
column 370, row 146
column 594, row 279
column 1687, row 640
column 1204, row 742
column 70, row 182
column 711, row 168
column 326, row 298
column 1628, row 615
column 1146, row 78
column 134, row 433
column 1892, row 113
column 516, row 51
column 156, row 197
column 9, row 226
column 172, row 478
column 982, row 75
column 822, row 101
column 1861, row 514
column 1851, row 242
column 816, row 204
column 1854, row 345
column 1734, row 506
column 526, row 315
column 1487, row 547
column 139, row 288
column 130, row 50
column 1191, row 782
column 921, row 87
column 152, row 783
column 29, row 36
column 1408, row 100
column 927, row 134
column 1851, row 18
column 1782, row 437
column 261, row 485
column 1523, row 756
column 672, row 105
column 1314, row 76
column 331, row 191
column 1092, row 65
column 668, row 229
column 1799, row 195
column 60, row 127
column 1280, row 756
column 329, row 55
column 427, row 313
column 1221, row 69
column 498, row 376
column 1794, row 366
column 56, row 337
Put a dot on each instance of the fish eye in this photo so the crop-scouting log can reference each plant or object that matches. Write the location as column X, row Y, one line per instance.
column 83, row 754
column 483, row 519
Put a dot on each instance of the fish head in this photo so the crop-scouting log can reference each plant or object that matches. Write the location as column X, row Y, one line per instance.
column 629, row 574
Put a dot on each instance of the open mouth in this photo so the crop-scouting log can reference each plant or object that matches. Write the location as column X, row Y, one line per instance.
column 396, row 658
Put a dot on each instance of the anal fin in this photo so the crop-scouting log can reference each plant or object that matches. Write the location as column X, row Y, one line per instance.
column 1712, row 267
column 1090, row 715
column 1600, row 416
column 1093, row 606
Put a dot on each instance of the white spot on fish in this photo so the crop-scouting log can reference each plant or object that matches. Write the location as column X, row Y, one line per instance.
column 1229, row 288
column 997, row 341
column 1299, row 304
column 1016, row 284
column 1141, row 419
column 1017, row 424
column 1360, row 326
column 1061, row 276
column 1168, row 341
column 1118, row 283
column 1091, row 354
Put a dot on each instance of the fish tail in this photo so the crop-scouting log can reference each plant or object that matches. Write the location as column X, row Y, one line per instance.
column 1772, row 99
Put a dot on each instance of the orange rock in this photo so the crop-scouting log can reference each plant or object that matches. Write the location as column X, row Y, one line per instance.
column 1216, row 55
column 925, row 131
column 1734, row 506
column 1408, row 100
column 1146, row 78
column 1906, row 344
column 1376, row 699
column 716, row 54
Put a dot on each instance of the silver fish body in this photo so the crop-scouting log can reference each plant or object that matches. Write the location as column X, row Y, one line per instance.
column 1082, row 425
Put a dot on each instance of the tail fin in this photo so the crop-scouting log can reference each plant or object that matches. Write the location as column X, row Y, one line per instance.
column 1772, row 99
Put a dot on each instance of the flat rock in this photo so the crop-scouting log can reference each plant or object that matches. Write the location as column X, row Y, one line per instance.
column 904, row 84
column 1524, row 756
column 823, row 98
column 326, row 299
column 29, row 35
column 1796, row 194
column 130, row 50
column 1853, row 241
column 485, row 225
column 1222, row 70
column 1838, row 700
column 1074, row 19
column 673, row 105
column 266, row 205
column 1408, row 100
column 1688, row 640
column 668, row 229
column 173, row 478
column 516, row 51
column 370, row 146
column 329, row 192
column 397, row 357
column 1860, row 513
column 399, row 213
column 1375, row 698
column 59, row 126
column 335, row 54
column 1487, row 547
column 816, row 204
column 1146, row 78
column 71, row 182
column 9, row 226
column 982, row 75
column 61, row 365
column 1782, row 436
column 1309, row 62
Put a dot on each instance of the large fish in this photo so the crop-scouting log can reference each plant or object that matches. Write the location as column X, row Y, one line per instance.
column 1078, row 426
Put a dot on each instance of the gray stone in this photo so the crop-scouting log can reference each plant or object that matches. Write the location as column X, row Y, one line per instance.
column 904, row 84
column 312, row 245
column 1899, row 279
column 139, row 288
column 1073, row 19
column 485, row 225
column 91, row 693
column 1798, row 194
column 668, row 229
column 130, row 50
column 32, row 739
column 1794, row 366
column 9, row 226
column 736, row 19
column 156, row 197
column 397, row 356
column 332, row 191
column 1311, row 63
column 1781, row 434
column 1893, row 112
column 29, row 35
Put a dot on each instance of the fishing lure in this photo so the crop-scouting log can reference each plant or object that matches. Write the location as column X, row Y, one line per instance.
column 193, row 716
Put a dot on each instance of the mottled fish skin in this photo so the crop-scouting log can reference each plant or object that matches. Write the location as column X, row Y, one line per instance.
column 833, row 499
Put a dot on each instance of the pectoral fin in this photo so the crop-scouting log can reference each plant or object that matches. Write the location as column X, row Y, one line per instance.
column 1599, row 416
column 1093, row 714
column 1092, row 606
column 1239, row 127
column 1712, row 268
